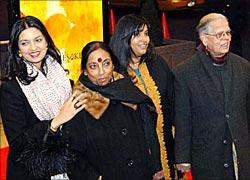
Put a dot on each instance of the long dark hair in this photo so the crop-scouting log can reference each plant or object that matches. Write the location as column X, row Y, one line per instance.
column 15, row 66
column 94, row 45
column 128, row 26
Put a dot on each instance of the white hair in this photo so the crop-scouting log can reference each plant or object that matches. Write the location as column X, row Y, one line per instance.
column 204, row 24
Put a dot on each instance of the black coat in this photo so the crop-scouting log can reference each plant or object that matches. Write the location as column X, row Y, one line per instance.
column 211, row 113
column 20, row 125
column 163, row 77
column 111, row 137
column 30, row 151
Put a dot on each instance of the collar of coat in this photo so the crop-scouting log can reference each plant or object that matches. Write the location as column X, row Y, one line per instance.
column 97, row 103
column 216, row 60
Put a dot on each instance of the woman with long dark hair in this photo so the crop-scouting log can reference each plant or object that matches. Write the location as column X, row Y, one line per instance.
column 36, row 98
column 132, row 46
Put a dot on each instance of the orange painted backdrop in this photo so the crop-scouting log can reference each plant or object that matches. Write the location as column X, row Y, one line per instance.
column 71, row 25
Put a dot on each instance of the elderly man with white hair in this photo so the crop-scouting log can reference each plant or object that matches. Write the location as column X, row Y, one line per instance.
column 212, row 107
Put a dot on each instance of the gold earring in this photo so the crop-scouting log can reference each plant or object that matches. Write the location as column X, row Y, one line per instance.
column 19, row 54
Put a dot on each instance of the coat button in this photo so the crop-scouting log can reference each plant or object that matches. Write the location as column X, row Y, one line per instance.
column 124, row 131
column 224, row 141
column 130, row 162
column 226, row 165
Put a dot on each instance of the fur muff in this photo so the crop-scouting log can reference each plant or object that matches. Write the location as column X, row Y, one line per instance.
column 43, row 160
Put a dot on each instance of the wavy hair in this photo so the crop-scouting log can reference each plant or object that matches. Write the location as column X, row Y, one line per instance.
column 15, row 66
column 128, row 26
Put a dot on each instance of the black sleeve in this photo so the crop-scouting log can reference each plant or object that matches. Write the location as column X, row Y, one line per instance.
column 149, row 117
column 19, row 121
column 182, row 120
column 164, row 79
column 76, row 133
column 32, row 144
column 169, row 83
column 248, row 107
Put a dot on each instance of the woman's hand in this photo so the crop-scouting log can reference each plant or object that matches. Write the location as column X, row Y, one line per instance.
column 71, row 107
column 183, row 167
column 159, row 175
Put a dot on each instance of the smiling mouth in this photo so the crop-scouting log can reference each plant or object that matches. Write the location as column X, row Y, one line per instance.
column 34, row 54
column 225, row 45
column 144, row 46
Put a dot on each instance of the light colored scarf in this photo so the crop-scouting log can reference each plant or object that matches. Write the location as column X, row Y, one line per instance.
column 47, row 94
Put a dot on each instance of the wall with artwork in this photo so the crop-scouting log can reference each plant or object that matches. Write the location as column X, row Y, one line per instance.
column 71, row 25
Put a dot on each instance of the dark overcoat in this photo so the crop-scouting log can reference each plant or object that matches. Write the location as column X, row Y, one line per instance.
column 112, row 138
column 163, row 77
column 20, row 126
column 211, row 113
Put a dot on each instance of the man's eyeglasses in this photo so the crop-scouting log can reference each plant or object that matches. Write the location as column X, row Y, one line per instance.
column 221, row 35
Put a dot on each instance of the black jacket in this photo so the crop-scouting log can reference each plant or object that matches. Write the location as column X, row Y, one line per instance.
column 164, row 79
column 114, row 139
column 211, row 113
column 34, row 152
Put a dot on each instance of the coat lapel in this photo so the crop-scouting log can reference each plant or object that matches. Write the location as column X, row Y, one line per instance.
column 208, row 82
column 227, row 79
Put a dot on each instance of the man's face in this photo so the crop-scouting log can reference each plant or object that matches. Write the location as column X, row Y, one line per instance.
column 218, row 39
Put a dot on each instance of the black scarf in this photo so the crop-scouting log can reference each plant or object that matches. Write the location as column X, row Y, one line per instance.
column 122, row 90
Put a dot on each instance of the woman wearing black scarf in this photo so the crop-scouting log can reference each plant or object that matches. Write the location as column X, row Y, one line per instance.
column 115, row 134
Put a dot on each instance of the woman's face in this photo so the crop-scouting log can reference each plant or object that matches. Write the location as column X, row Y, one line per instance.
column 99, row 68
column 32, row 46
column 139, row 43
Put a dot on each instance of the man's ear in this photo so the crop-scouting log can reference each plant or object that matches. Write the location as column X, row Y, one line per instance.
column 203, row 39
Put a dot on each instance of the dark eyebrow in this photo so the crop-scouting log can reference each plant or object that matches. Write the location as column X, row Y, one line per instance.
column 107, row 59
column 25, row 40
column 91, row 63
column 40, row 36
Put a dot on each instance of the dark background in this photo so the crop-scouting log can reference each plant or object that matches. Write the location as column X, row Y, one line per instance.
column 181, row 23
column 182, row 26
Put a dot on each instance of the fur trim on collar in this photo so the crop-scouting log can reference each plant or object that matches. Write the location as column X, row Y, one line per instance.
column 97, row 104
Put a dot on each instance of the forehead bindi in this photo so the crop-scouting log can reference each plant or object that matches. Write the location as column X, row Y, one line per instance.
column 98, row 56
column 99, row 60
